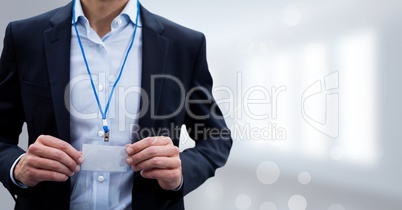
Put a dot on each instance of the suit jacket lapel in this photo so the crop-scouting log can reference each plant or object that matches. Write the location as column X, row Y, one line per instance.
column 57, row 45
column 154, row 55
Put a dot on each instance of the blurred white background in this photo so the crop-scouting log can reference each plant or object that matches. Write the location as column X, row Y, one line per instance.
column 312, row 92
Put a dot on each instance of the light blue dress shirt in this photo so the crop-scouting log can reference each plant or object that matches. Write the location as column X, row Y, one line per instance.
column 104, row 190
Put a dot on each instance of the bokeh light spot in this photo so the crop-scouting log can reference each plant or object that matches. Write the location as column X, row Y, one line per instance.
column 243, row 202
column 304, row 177
column 268, row 172
column 297, row 202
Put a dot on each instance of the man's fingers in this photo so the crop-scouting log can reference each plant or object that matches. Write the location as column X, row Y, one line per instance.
column 148, row 142
column 48, row 159
column 158, row 163
column 156, row 158
column 51, row 153
column 29, row 175
column 49, row 165
column 161, row 174
column 39, row 175
column 151, row 152
column 59, row 144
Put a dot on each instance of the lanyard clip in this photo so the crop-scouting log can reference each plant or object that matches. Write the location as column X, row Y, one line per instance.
column 106, row 137
column 106, row 129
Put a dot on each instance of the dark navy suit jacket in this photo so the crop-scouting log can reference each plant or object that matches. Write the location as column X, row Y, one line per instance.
column 34, row 73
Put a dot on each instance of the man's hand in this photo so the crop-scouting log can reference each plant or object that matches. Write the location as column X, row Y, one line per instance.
column 156, row 158
column 48, row 159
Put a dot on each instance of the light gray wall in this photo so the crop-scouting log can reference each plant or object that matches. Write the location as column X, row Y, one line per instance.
column 342, row 145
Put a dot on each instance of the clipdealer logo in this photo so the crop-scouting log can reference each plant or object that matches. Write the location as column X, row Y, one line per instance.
column 253, row 110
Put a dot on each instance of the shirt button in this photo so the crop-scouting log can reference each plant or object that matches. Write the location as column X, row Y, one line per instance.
column 101, row 133
column 100, row 46
column 101, row 178
column 112, row 78
column 119, row 22
column 100, row 88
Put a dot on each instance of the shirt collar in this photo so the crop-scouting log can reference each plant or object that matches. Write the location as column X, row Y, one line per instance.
column 130, row 10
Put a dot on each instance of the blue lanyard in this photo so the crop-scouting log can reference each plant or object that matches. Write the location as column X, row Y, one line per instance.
column 104, row 112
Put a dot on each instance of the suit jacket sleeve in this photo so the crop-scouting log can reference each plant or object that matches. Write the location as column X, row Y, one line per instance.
column 206, row 126
column 11, row 114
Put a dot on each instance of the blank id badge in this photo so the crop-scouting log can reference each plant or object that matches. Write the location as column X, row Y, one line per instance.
column 104, row 158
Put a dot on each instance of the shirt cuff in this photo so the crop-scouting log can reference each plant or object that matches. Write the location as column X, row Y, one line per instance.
column 180, row 186
column 19, row 184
